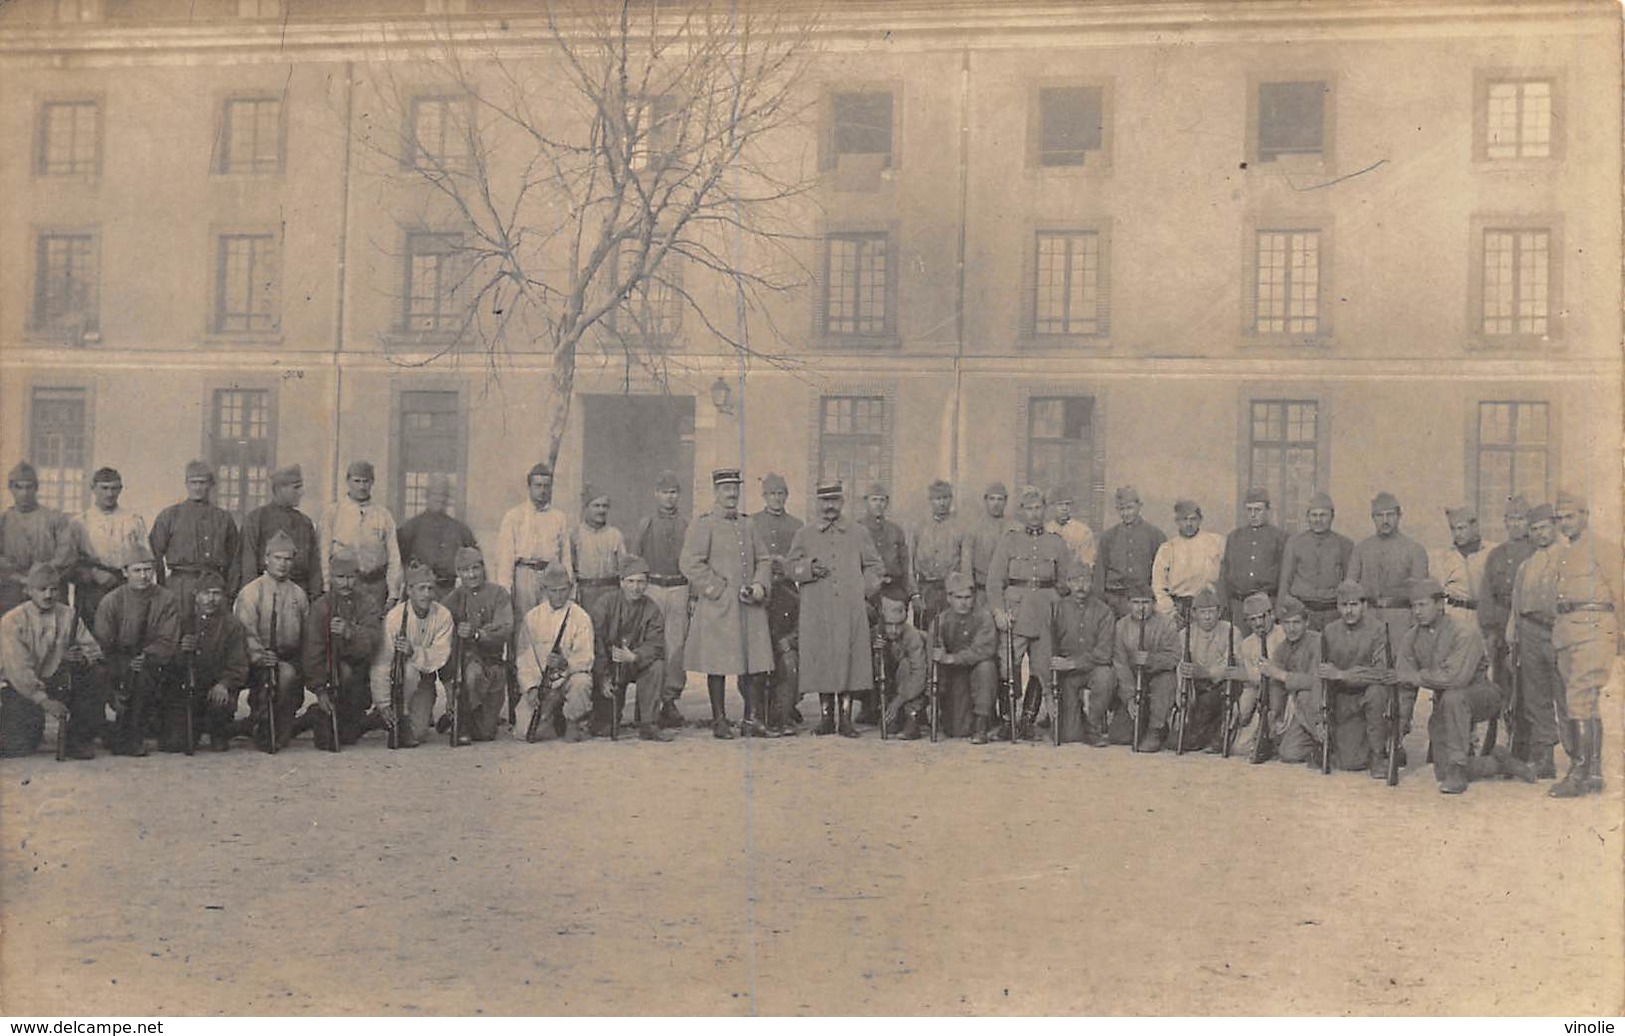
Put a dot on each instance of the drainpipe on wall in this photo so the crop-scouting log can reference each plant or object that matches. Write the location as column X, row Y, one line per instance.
column 337, row 409
column 959, row 263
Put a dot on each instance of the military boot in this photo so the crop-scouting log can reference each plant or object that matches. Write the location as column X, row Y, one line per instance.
column 1573, row 784
column 845, row 726
column 911, row 727
column 1594, row 782
column 826, row 710
column 978, row 734
column 1545, row 766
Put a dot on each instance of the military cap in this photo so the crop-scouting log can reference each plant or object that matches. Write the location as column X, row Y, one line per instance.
column 42, row 574
column 140, row 553
column 467, row 556
column 1541, row 513
column 1517, row 506
column 667, row 480
column 1421, row 589
column 209, row 580
column 287, row 476
column 1464, row 513
column 957, row 582
column 827, row 490
column 360, row 469
column 1320, row 501
column 1206, row 598
column 590, row 492
column 1030, row 495
column 1289, row 606
column 877, row 489
column 895, row 592
column 1140, row 592
column 995, row 489
column 726, row 477
column 541, row 467
column 633, row 565
column 103, row 475
column 1063, row 494
column 555, row 576
column 23, row 472
column 417, row 573
column 939, row 487
column 342, row 563
column 1186, row 508
column 1384, row 501
column 1256, row 495
column 1349, row 590
column 198, row 469
column 280, row 543
column 1568, row 500
column 1256, row 604
column 773, row 482
column 1126, row 495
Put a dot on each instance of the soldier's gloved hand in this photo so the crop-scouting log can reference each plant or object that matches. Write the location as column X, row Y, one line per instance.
column 265, row 658
column 218, row 695
column 53, row 708
column 466, row 630
column 189, row 642
column 76, row 655
column 1063, row 664
column 617, row 653
column 1001, row 619
column 713, row 590
column 338, row 627
column 403, row 646
column 819, row 569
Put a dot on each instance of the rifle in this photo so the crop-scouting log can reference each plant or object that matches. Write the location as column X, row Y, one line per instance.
column 510, row 671
column 1227, row 734
column 397, row 686
column 332, row 686
column 62, row 735
column 534, row 726
column 1054, row 704
column 1326, row 727
column 877, row 661
column 1514, row 706
column 1012, row 671
column 1139, row 693
column 1260, row 750
column 1182, row 701
column 189, row 689
column 932, row 680
column 273, row 678
column 1390, row 712
column 454, row 693
column 617, row 697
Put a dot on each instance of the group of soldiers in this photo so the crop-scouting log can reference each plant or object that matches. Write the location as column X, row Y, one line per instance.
column 1309, row 648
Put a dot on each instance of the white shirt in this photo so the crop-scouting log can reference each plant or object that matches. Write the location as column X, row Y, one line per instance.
column 1184, row 566
column 430, row 636
column 109, row 537
column 369, row 531
column 528, row 533
column 536, row 641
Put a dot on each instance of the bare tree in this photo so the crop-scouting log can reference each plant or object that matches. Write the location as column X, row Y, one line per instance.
column 607, row 177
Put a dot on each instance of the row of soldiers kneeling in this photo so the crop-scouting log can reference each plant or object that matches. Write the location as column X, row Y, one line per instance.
column 1259, row 641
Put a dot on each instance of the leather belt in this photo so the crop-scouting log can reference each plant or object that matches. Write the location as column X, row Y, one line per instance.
column 1391, row 602
column 526, row 563
column 1036, row 584
column 655, row 580
column 600, row 581
column 1320, row 606
column 1536, row 618
column 194, row 570
column 1566, row 607
column 1462, row 602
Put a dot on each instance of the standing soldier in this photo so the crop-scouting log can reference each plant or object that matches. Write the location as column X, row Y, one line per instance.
column 896, row 575
column 105, row 538
column 837, row 568
column 434, row 537
column 1543, row 711
column 1186, row 564
column 1386, row 563
column 1082, row 644
column 1495, row 607
column 629, row 644
column 29, row 535
column 968, row 677
column 1126, row 551
column 1021, row 582
column 367, row 530
column 1296, row 670
column 1252, row 555
column 730, row 572
column 1315, row 562
column 1146, row 647
column 1353, row 660
column 1585, row 636
column 483, row 615
column 138, row 625
column 341, row 638
column 1079, row 538
column 984, row 534
column 556, row 652
column 274, row 604
column 904, row 656
column 1204, row 668
column 195, row 537
column 214, row 653
column 532, row 536
column 598, row 548
column 282, row 514
column 776, row 531
column 940, row 549
column 1460, row 570
column 46, row 655
column 659, row 541
column 420, row 629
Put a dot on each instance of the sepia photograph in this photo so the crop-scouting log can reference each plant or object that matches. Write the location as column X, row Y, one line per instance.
column 811, row 508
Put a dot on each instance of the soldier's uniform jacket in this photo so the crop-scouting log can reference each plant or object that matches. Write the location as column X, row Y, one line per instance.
column 1251, row 562
column 906, row 661
column 659, row 541
column 968, row 639
column 940, row 548
column 265, row 522
column 259, row 601
column 29, row 537
column 132, row 622
column 1084, row 629
column 1125, row 554
column 776, row 533
column 1313, row 564
column 33, row 644
column 1586, row 629
column 490, row 611
column 725, row 636
column 1210, row 649
column 1386, row 565
column 1027, row 567
column 196, row 536
column 892, row 546
column 1350, row 647
column 1300, row 659
column 1162, row 645
column 984, row 534
column 635, row 626
column 597, row 552
column 222, row 651
column 358, row 649
column 1449, row 655
column 433, row 538
column 834, row 619
column 1500, row 573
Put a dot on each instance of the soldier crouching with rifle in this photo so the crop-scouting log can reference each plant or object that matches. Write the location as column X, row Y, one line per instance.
column 423, row 631
column 1084, row 625
column 1296, row 669
column 903, row 660
column 629, row 647
column 1352, row 664
column 342, row 636
column 139, row 628
column 967, row 640
column 555, row 646
column 1145, row 655
column 1210, row 639
column 214, row 650
column 483, row 614
column 46, row 655
column 272, row 610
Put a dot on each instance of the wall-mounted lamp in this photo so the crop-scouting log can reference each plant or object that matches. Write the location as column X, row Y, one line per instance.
column 722, row 397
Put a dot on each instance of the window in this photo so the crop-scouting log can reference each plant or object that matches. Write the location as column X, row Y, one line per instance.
column 654, row 310
column 251, row 136
column 1070, row 124
column 853, row 441
column 69, row 139
column 857, row 297
column 657, row 124
column 1514, row 452
column 240, row 448
column 1066, row 284
column 65, row 295
column 1061, row 447
column 1516, row 282
column 434, row 284
column 430, row 444
column 1286, row 296
column 1517, row 118
column 439, row 133
column 247, row 284
column 59, row 445
column 861, row 124
column 1284, row 455
column 1291, row 119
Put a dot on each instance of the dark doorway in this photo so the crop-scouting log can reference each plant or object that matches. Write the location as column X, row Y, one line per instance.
column 629, row 441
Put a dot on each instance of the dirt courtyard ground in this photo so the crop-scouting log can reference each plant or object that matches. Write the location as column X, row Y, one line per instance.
column 806, row 876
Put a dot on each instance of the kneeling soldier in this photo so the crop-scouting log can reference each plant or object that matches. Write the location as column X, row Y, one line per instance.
column 1211, row 641
column 1261, row 696
column 342, row 635
column 139, row 627
column 272, row 610
column 905, row 661
column 968, row 678
column 1296, row 669
column 483, row 614
column 45, row 659
column 1082, row 634
column 1352, row 665
column 1147, row 648
column 214, row 657
column 555, row 663
column 420, row 630
column 629, row 646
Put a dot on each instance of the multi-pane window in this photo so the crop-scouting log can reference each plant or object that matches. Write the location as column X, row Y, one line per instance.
column 1291, row 119
column 1287, row 283
column 1514, row 452
column 65, row 291
column 439, row 133
column 1518, row 119
column 247, row 284
column 434, row 283
column 1061, row 445
column 654, row 309
column 430, row 444
column 861, row 124
column 69, row 139
column 59, row 446
column 1517, row 282
column 1066, row 283
column 1070, row 124
column 1284, row 454
column 251, row 136
column 856, row 296
column 853, row 441
column 240, row 441
column 655, row 136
